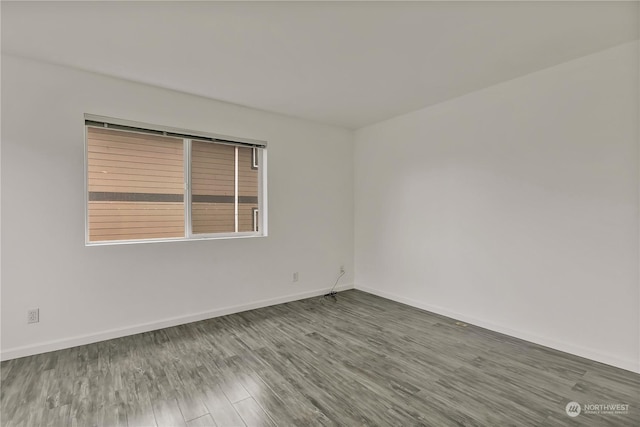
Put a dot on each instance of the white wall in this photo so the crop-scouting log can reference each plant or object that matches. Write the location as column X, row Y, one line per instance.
column 91, row 293
column 514, row 207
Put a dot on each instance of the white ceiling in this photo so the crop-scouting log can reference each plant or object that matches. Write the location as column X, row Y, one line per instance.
column 347, row 64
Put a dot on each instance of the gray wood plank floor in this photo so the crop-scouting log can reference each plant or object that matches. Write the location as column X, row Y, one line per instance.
column 359, row 360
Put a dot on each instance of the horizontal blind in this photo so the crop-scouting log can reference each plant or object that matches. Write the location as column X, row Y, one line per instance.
column 212, row 188
column 136, row 185
column 247, row 189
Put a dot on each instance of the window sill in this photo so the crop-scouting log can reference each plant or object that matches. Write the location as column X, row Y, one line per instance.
column 218, row 236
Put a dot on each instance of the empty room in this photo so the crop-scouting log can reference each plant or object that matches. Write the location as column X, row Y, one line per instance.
column 322, row 213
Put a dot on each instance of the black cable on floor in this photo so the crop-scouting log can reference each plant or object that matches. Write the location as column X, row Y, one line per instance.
column 332, row 293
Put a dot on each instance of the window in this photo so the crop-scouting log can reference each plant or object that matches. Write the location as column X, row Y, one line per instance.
column 147, row 183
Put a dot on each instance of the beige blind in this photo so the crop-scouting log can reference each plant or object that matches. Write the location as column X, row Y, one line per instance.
column 135, row 184
column 212, row 188
column 247, row 189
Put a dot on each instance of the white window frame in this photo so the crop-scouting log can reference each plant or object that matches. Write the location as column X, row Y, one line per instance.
column 259, row 150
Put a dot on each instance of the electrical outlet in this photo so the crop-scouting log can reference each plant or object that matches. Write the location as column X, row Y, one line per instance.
column 342, row 269
column 295, row 276
column 33, row 316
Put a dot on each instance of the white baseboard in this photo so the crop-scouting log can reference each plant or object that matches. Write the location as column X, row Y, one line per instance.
column 588, row 353
column 14, row 353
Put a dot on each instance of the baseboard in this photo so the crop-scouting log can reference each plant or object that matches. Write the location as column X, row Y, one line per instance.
column 14, row 353
column 595, row 355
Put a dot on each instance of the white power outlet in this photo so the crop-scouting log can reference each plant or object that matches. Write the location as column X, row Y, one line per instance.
column 33, row 315
column 342, row 269
column 295, row 276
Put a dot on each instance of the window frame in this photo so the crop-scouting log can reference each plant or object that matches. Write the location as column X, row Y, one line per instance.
column 259, row 148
